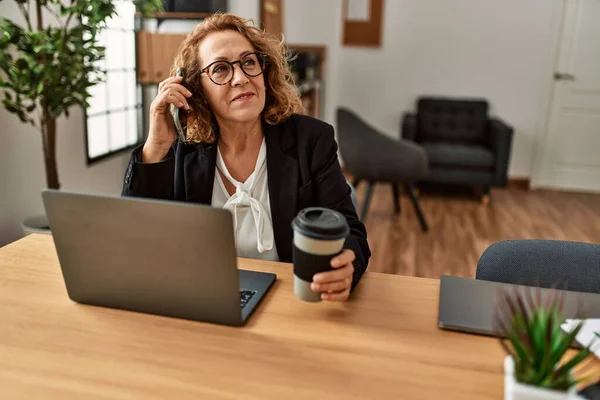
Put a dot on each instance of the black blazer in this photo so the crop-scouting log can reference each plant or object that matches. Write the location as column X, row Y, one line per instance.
column 303, row 170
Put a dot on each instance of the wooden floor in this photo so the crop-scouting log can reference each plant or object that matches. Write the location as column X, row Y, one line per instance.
column 461, row 227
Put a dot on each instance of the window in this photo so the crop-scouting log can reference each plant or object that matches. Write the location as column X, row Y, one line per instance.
column 114, row 118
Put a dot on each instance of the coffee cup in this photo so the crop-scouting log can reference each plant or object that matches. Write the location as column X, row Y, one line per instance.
column 319, row 235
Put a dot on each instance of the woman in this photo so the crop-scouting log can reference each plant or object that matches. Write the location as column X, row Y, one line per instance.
column 246, row 148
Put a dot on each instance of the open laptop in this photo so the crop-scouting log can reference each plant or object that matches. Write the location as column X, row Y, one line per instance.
column 468, row 305
column 152, row 256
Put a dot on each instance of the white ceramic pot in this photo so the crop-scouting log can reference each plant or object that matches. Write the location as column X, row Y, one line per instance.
column 35, row 224
column 514, row 390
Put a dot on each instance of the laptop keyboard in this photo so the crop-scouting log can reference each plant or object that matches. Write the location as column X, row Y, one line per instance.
column 245, row 296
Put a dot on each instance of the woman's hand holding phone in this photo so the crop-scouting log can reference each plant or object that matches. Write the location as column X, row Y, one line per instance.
column 162, row 132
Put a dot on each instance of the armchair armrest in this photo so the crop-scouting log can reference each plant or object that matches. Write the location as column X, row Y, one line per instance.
column 500, row 137
column 409, row 127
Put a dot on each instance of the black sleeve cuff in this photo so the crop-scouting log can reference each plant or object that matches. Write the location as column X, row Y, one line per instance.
column 152, row 180
column 360, row 264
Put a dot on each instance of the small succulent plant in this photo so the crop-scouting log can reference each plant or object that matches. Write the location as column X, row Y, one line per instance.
column 530, row 327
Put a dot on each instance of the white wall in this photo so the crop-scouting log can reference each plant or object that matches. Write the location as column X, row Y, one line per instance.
column 496, row 49
column 318, row 22
column 245, row 8
column 22, row 174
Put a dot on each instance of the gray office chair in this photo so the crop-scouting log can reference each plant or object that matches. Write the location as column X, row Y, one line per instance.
column 373, row 157
column 544, row 263
column 353, row 195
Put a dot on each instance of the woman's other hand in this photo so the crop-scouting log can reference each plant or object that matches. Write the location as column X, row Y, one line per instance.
column 335, row 285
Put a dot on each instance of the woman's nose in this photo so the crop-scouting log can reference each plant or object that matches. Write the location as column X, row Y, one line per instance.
column 239, row 77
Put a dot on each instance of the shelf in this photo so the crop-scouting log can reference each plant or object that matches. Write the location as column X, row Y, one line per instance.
column 305, row 87
column 176, row 15
column 309, row 73
column 321, row 51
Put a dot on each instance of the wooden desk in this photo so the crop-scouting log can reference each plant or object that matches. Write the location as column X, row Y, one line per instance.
column 384, row 344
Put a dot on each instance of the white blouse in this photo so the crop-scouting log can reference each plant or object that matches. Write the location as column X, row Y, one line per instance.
column 251, row 209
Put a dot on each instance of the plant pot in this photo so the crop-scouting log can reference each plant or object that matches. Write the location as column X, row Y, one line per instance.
column 35, row 224
column 514, row 390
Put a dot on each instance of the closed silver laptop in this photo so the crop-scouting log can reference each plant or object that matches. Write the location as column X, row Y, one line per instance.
column 469, row 305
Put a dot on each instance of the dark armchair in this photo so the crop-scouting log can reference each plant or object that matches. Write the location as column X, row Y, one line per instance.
column 463, row 144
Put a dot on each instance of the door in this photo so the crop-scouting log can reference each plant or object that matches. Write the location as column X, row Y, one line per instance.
column 570, row 153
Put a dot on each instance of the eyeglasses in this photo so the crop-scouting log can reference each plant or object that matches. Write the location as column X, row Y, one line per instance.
column 221, row 72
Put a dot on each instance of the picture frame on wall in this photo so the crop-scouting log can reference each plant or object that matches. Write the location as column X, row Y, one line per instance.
column 362, row 22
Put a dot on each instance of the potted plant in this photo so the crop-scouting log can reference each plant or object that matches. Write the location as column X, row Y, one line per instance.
column 536, row 365
column 46, row 68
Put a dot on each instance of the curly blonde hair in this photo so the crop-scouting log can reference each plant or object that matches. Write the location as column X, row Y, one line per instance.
column 282, row 99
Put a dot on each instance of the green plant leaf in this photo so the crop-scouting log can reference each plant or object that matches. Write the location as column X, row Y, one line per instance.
column 537, row 342
column 574, row 361
column 561, row 383
column 11, row 108
column 519, row 348
column 56, row 65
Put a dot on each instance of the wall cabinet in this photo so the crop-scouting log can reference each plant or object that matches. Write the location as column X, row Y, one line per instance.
column 155, row 54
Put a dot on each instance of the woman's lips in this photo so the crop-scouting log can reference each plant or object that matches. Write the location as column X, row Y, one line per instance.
column 244, row 97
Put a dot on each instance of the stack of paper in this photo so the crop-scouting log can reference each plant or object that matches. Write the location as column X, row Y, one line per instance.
column 587, row 334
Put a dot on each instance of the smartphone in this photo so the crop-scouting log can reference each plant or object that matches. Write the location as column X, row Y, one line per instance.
column 179, row 116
